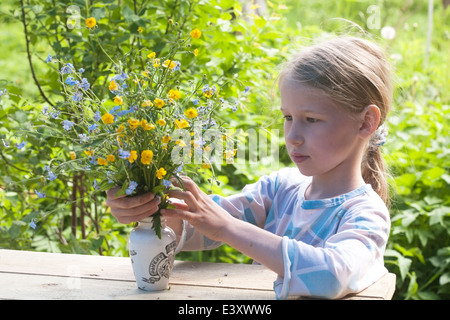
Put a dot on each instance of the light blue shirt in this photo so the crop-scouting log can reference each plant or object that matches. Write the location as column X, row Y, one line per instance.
column 331, row 247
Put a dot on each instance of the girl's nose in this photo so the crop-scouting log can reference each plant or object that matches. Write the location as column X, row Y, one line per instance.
column 294, row 135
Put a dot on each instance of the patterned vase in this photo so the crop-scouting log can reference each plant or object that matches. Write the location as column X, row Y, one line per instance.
column 152, row 258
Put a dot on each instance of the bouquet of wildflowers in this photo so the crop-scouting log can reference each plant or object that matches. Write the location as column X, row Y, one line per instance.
column 145, row 132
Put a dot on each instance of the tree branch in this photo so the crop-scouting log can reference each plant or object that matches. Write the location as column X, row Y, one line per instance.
column 27, row 42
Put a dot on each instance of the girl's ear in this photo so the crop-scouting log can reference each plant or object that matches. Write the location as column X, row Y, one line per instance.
column 370, row 119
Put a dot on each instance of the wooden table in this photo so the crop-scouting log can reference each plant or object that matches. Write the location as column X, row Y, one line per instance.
column 37, row 275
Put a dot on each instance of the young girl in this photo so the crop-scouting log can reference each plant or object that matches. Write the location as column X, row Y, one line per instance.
column 322, row 226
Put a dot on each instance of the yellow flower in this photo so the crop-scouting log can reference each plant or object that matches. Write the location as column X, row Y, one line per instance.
column 113, row 86
column 151, row 55
column 174, row 94
column 166, row 138
column 180, row 142
column 196, row 52
column 206, row 166
column 159, row 103
column 107, row 118
column 161, row 122
column 118, row 100
column 156, row 63
column 140, row 29
column 110, row 158
column 196, row 33
column 73, row 155
column 169, row 64
column 146, row 156
column 161, row 173
column 146, row 103
column 191, row 113
column 133, row 123
column 120, row 129
column 133, row 156
column 102, row 161
column 91, row 22
column 148, row 126
column 89, row 152
column 181, row 124
column 230, row 154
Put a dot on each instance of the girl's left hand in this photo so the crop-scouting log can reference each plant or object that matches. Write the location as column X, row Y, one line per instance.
column 199, row 210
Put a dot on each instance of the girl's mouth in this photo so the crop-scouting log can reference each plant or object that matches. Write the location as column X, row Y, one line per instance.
column 298, row 157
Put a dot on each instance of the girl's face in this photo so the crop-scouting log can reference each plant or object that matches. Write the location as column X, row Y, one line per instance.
column 321, row 137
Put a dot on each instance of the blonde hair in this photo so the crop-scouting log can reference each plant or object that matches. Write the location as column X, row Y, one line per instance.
column 354, row 73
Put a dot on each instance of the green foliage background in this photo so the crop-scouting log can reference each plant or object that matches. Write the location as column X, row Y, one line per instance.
column 235, row 44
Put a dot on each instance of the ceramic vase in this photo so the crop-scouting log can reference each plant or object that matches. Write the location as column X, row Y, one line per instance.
column 151, row 257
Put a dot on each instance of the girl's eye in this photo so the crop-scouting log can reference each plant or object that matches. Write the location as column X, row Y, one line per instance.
column 287, row 118
column 312, row 120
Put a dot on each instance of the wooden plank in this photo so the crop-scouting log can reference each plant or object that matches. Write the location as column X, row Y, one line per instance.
column 195, row 279
column 43, row 287
column 242, row 276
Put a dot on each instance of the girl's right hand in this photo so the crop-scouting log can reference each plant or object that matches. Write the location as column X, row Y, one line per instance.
column 131, row 209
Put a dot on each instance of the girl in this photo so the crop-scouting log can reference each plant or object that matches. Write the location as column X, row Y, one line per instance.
column 322, row 226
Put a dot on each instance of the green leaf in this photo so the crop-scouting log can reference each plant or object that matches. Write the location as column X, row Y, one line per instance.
column 444, row 279
column 260, row 22
column 157, row 224
column 438, row 214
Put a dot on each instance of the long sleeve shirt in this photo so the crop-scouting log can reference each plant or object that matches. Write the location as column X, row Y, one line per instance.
column 331, row 247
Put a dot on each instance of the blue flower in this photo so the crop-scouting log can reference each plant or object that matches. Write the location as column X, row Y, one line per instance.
column 195, row 101
column 51, row 176
column 166, row 183
column 70, row 81
column 110, row 175
column 83, row 138
column 49, row 58
column 177, row 66
column 123, row 154
column 81, row 70
column 247, row 89
column 67, row 125
column 21, row 145
column 97, row 116
column 39, row 194
column 114, row 110
column 77, row 97
column 67, row 69
column 124, row 112
column 45, row 110
column 33, row 224
column 121, row 77
column 84, row 84
column 92, row 127
column 54, row 114
column 131, row 187
column 95, row 185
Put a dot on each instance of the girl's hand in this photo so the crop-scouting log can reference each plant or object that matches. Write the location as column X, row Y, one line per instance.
column 131, row 209
column 199, row 210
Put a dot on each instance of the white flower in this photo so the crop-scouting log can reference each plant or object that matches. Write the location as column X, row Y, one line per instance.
column 388, row 33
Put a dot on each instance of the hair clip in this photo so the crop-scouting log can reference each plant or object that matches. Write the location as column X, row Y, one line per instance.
column 379, row 138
